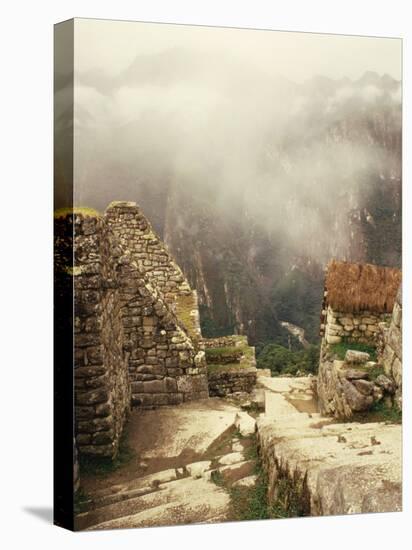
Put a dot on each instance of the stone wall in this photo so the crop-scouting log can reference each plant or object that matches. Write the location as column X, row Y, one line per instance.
column 160, row 315
column 164, row 366
column 345, row 387
column 354, row 327
column 226, row 381
column 154, row 260
column 234, row 340
column 102, row 388
column 130, row 344
column 391, row 357
column 231, row 365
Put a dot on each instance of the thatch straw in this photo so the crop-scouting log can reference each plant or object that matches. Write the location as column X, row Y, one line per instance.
column 360, row 287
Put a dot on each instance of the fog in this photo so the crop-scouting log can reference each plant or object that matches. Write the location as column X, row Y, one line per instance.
column 281, row 128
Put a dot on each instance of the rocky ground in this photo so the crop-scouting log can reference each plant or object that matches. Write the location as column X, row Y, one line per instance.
column 186, row 469
column 179, row 472
column 335, row 467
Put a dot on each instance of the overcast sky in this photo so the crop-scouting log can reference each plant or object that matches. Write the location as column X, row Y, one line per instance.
column 113, row 45
column 226, row 114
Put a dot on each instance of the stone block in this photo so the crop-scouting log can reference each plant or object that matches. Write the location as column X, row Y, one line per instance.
column 137, row 387
column 397, row 371
column 175, row 398
column 365, row 387
column 353, row 356
column 92, row 397
column 95, row 425
column 333, row 339
column 103, row 409
column 356, row 400
column 103, row 438
column 154, row 386
column 397, row 315
column 160, row 399
column 170, row 385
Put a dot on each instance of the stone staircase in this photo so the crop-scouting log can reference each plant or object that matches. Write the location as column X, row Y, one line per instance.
column 191, row 491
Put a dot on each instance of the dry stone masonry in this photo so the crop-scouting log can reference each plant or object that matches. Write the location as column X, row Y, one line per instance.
column 350, row 386
column 357, row 299
column 391, row 357
column 102, row 389
column 355, row 384
column 231, row 365
column 358, row 327
column 137, row 329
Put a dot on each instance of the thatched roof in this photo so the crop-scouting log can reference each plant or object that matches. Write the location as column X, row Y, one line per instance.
column 359, row 287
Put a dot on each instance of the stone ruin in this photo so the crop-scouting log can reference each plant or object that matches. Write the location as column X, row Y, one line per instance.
column 136, row 322
column 357, row 298
column 231, row 365
column 354, row 383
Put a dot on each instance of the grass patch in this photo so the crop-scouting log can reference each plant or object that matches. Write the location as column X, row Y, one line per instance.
column 217, row 478
column 373, row 372
column 251, row 452
column 251, row 503
column 228, row 367
column 340, row 349
column 102, row 466
column 217, row 353
column 379, row 412
column 281, row 360
column 83, row 210
column 288, row 502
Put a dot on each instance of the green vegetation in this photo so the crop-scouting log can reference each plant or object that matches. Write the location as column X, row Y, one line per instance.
column 185, row 304
column 379, row 412
column 102, row 466
column 284, row 339
column 214, row 367
column 224, row 352
column 297, row 299
column 217, row 478
column 251, row 503
column 212, row 328
column 373, row 372
column 340, row 349
column 84, row 210
column 229, row 352
column 281, row 360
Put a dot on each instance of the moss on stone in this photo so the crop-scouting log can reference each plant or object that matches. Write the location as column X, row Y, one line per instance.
column 228, row 367
column 80, row 210
column 185, row 304
column 340, row 349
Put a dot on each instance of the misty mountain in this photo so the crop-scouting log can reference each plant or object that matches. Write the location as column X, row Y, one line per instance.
column 254, row 182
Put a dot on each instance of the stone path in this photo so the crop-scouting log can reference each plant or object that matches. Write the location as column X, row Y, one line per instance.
column 180, row 453
column 343, row 468
column 187, row 457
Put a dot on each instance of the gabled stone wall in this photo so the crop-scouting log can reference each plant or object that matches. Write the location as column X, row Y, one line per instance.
column 136, row 235
column 137, row 331
column 164, row 366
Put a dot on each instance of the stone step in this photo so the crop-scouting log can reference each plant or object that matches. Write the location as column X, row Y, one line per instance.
column 181, row 501
column 141, row 485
